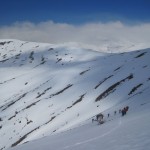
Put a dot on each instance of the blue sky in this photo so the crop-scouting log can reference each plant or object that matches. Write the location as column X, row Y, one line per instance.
column 94, row 24
column 74, row 11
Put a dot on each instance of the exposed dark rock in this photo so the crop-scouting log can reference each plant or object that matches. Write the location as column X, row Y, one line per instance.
column 59, row 60
column 42, row 58
column 117, row 68
column 79, row 100
column 44, row 92
column 31, row 105
column 12, row 117
column 4, row 60
column 4, row 56
column 52, row 118
column 50, row 49
column 23, row 44
column 29, row 122
column 61, row 91
column 112, row 88
column 7, row 80
column 23, row 137
column 81, row 73
column 17, row 56
column 2, row 148
column 3, row 43
column 13, row 102
column 140, row 55
column 31, row 56
column 40, row 85
column 145, row 66
column 103, row 81
column 135, row 88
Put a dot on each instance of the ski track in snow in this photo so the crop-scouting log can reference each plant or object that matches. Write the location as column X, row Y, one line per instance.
column 93, row 139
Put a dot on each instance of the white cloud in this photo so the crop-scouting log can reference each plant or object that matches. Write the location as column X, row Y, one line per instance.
column 100, row 36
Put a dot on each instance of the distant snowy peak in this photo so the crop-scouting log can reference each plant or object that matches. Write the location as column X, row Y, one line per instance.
column 47, row 89
column 111, row 46
column 106, row 45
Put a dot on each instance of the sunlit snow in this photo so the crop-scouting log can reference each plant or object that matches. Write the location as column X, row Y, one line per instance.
column 50, row 93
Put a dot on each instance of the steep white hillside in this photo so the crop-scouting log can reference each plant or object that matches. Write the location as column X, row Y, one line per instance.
column 117, row 133
column 46, row 89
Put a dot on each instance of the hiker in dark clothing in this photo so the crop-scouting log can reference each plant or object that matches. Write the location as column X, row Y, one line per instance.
column 115, row 112
column 127, row 108
column 97, row 117
column 123, row 112
column 120, row 111
column 108, row 115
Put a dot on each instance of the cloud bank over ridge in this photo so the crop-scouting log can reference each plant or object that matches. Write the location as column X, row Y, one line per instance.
column 98, row 36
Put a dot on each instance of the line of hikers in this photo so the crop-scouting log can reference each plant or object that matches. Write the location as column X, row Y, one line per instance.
column 124, row 110
column 100, row 116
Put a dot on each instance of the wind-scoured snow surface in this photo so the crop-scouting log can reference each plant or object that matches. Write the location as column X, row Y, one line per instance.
column 49, row 94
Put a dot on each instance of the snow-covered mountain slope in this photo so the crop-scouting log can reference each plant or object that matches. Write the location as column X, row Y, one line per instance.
column 47, row 89
column 118, row 133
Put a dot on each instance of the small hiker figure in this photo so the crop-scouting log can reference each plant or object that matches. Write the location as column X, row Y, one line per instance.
column 124, row 110
column 93, row 120
column 97, row 116
column 115, row 112
column 108, row 115
column 127, row 108
column 120, row 111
